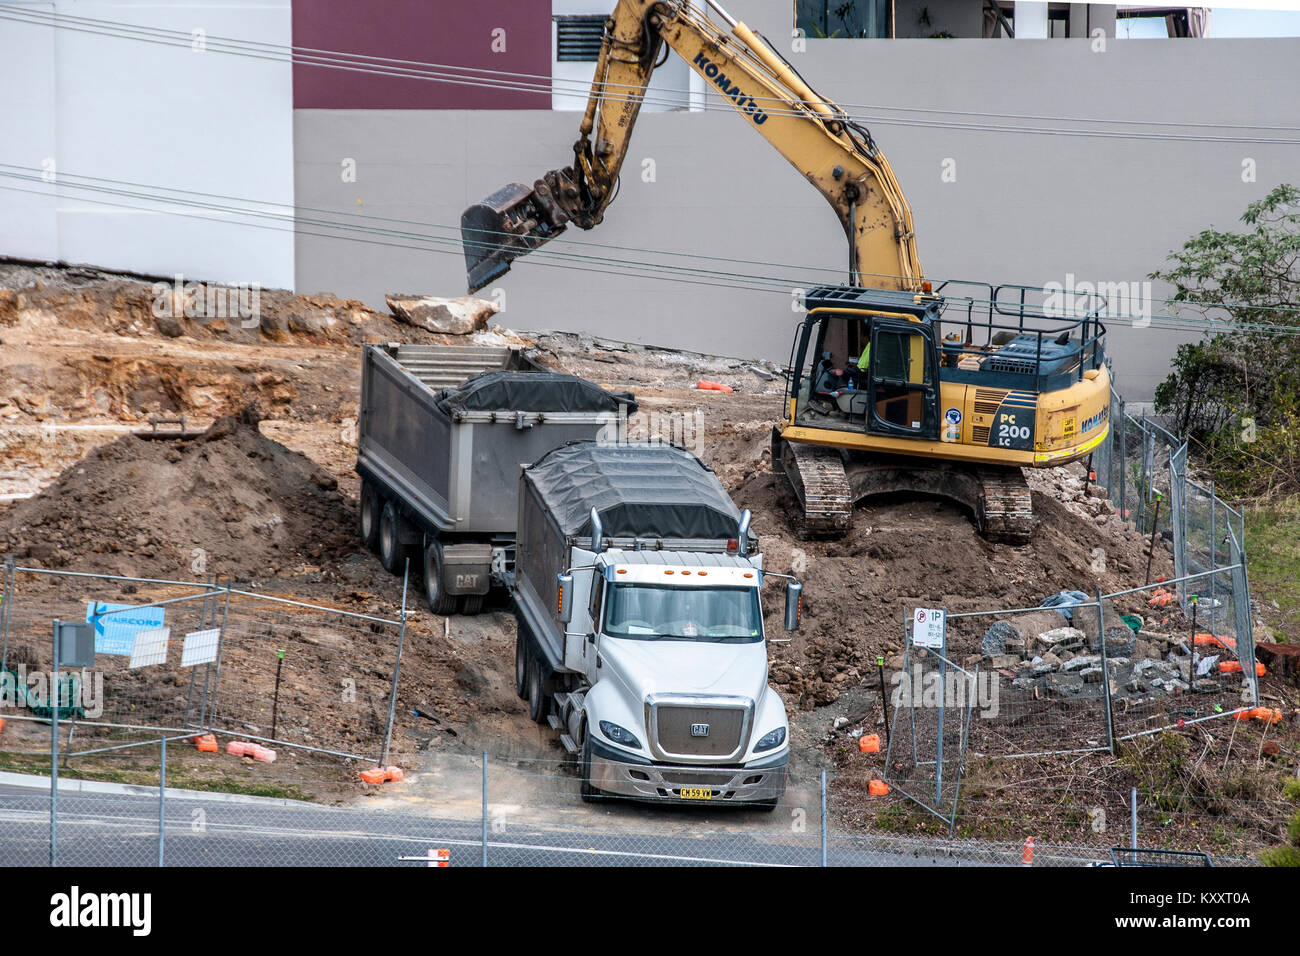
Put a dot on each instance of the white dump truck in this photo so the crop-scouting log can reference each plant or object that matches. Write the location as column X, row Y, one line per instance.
column 637, row 594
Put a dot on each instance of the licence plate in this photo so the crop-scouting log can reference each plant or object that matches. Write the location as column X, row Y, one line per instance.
column 696, row 793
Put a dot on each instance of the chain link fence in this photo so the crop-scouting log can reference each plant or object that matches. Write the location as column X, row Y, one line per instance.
column 175, row 657
column 480, row 811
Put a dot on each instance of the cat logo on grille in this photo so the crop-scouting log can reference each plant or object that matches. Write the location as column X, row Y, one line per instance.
column 699, row 730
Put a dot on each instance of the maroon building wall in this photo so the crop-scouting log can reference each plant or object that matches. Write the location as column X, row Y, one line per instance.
column 452, row 32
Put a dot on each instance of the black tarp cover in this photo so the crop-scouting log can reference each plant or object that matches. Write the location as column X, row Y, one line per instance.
column 522, row 391
column 648, row 491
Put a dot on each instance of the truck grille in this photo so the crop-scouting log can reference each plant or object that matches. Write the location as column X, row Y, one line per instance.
column 727, row 726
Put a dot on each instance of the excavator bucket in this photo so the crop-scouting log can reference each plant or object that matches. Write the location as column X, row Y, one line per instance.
column 500, row 229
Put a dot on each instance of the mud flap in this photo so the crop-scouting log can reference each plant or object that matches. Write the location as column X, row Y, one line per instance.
column 467, row 568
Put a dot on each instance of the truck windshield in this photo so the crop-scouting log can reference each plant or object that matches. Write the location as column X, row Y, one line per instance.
column 664, row 612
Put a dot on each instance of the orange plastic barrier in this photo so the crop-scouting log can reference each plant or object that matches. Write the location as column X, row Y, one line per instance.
column 869, row 744
column 2, row 724
column 240, row 748
column 439, row 858
column 1267, row 714
column 207, row 744
column 1161, row 598
column 264, row 754
column 378, row 775
column 1215, row 640
column 1234, row 667
column 1027, row 854
column 877, row 788
column 706, row 386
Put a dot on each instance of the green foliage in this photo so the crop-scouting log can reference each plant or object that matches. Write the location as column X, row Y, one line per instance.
column 1237, row 392
column 1281, row 856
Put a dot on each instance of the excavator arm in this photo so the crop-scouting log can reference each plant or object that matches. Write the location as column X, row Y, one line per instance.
column 837, row 156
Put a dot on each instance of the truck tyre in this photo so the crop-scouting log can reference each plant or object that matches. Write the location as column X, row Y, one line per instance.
column 368, row 517
column 521, row 667
column 588, row 793
column 392, row 553
column 440, row 602
column 471, row 604
column 537, row 696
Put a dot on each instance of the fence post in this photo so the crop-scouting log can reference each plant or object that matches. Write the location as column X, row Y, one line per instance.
column 4, row 612
column 162, row 796
column 485, row 810
column 1105, row 672
column 1133, row 820
column 824, row 863
column 52, row 698
column 210, row 704
column 397, row 668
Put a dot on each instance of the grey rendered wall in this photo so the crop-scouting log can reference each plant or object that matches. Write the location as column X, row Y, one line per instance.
column 1025, row 207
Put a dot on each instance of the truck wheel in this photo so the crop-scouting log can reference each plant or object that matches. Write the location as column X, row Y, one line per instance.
column 588, row 793
column 369, row 516
column 472, row 604
column 392, row 553
column 521, row 667
column 440, row 602
column 537, row 697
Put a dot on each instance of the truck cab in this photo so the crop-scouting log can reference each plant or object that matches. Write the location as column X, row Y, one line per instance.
column 673, row 648
column 640, row 627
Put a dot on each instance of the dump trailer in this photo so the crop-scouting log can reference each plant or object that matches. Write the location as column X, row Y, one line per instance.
column 640, row 634
column 442, row 436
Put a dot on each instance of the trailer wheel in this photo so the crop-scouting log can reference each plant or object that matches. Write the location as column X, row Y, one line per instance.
column 537, row 697
column 392, row 553
column 440, row 602
column 521, row 667
column 472, row 604
column 588, row 793
column 369, row 516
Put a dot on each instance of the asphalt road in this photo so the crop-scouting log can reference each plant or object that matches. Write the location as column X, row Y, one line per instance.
column 110, row 829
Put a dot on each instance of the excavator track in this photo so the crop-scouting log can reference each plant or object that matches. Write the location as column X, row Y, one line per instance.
column 817, row 476
column 1005, row 509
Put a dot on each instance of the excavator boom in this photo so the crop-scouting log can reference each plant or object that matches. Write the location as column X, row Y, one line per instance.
column 836, row 155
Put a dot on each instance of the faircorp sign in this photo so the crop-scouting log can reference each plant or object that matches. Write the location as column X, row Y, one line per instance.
column 744, row 102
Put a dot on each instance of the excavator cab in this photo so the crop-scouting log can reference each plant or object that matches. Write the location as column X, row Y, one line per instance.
column 877, row 369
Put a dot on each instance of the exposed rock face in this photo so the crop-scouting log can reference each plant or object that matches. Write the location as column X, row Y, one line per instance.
column 459, row 316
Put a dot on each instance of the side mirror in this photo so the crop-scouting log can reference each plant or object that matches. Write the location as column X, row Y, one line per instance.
column 597, row 532
column 564, row 597
column 793, row 605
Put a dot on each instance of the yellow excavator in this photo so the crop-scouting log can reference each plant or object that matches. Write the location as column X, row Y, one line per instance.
column 895, row 385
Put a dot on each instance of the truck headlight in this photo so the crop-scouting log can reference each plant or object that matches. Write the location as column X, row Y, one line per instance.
column 620, row 735
column 770, row 741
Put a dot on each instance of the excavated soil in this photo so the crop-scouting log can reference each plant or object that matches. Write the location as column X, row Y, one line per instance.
column 229, row 502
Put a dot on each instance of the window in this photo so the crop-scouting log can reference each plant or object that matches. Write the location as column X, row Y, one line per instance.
column 705, row 614
column 842, row 18
column 578, row 38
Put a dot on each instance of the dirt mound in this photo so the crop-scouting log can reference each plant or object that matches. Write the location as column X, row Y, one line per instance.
column 229, row 502
column 903, row 553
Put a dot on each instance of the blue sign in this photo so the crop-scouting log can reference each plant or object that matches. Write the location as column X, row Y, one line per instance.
column 115, row 633
column 952, row 416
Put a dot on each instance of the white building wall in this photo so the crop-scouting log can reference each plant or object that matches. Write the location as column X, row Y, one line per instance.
column 80, row 104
